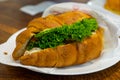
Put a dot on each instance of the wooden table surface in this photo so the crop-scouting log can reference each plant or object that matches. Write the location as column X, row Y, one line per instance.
column 12, row 20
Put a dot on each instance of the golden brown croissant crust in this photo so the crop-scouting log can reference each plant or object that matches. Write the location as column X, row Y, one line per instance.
column 63, row 55
column 67, row 55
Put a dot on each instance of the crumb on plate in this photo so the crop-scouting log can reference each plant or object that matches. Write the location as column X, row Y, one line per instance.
column 5, row 53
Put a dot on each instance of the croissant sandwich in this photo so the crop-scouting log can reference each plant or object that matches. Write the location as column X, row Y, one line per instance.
column 66, row 39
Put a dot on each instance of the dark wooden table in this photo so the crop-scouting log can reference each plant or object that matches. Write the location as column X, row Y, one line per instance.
column 12, row 20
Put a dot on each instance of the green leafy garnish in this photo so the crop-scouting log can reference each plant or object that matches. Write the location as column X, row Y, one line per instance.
column 53, row 37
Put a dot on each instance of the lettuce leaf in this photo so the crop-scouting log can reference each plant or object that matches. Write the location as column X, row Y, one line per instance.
column 50, row 38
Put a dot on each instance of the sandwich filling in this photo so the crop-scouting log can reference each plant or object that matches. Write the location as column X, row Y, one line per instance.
column 50, row 38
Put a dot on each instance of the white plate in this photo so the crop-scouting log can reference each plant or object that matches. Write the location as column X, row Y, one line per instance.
column 106, row 60
column 109, row 56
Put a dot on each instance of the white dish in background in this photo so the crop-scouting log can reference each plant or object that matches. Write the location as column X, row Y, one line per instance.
column 38, row 8
column 109, row 56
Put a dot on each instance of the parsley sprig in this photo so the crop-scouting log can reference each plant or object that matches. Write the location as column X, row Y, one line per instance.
column 53, row 37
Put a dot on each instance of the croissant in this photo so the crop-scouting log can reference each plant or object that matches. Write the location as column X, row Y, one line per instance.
column 66, row 39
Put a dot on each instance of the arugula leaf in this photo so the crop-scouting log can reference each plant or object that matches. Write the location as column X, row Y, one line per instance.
column 53, row 37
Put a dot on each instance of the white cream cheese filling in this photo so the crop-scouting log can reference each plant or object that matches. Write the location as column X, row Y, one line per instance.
column 33, row 50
